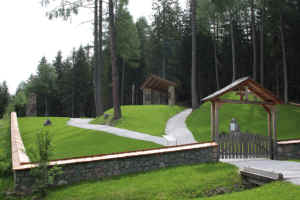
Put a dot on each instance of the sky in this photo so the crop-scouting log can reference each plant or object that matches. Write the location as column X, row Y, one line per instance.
column 26, row 35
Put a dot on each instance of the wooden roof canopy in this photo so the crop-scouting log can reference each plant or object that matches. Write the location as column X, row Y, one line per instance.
column 157, row 83
column 242, row 86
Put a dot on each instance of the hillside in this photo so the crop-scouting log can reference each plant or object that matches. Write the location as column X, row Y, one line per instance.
column 69, row 141
column 150, row 119
column 251, row 118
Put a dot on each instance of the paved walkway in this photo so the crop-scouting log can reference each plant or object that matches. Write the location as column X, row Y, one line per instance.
column 289, row 169
column 177, row 129
column 84, row 123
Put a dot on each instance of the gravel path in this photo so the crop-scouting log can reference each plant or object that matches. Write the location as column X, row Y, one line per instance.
column 289, row 169
column 177, row 129
column 84, row 123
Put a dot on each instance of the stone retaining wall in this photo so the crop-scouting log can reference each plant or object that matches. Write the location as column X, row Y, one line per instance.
column 287, row 150
column 101, row 166
column 94, row 168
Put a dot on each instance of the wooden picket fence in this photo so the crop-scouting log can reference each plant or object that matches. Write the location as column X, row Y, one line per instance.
column 239, row 145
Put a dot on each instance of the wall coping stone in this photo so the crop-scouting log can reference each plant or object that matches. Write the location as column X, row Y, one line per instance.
column 19, row 155
column 121, row 155
column 289, row 142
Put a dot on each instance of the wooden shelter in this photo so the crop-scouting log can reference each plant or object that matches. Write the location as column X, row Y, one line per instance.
column 157, row 90
column 243, row 87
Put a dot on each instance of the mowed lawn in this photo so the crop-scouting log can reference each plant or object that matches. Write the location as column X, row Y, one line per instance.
column 151, row 119
column 251, row 118
column 70, row 141
column 272, row 191
column 187, row 182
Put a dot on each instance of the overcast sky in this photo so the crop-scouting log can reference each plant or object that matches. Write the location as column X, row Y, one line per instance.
column 26, row 35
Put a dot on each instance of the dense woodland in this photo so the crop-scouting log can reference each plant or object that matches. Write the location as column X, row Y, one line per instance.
column 202, row 47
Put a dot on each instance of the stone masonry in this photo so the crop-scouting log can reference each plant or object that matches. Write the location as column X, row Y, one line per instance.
column 127, row 164
column 288, row 150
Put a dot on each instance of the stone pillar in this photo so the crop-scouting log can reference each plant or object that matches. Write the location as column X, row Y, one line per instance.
column 171, row 96
column 147, row 96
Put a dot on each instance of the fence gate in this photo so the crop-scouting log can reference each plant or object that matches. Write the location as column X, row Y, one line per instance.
column 239, row 145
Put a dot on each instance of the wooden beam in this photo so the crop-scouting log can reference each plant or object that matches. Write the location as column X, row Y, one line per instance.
column 217, row 106
column 212, row 121
column 269, row 124
column 243, row 102
column 274, row 122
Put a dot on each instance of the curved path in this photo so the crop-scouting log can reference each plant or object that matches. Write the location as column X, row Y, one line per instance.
column 289, row 169
column 177, row 129
column 84, row 123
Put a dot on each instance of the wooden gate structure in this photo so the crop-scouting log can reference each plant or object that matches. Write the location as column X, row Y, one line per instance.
column 239, row 145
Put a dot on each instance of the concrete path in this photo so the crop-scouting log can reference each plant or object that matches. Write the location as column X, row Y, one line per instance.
column 84, row 123
column 289, row 169
column 177, row 130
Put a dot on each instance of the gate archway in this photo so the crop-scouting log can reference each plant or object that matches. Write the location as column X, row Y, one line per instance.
column 247, row 144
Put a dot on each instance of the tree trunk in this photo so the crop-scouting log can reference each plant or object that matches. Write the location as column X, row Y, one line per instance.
column 284, row 61
column 96, row 61
column 253, row 41
column 123, row 82
column 195, row 100
column 115, row 74
column 215, row 35
column 46, row 106
column 164, row 64
column 277, row 80
column 233, row 51
column 262, row 53
column 133, row 94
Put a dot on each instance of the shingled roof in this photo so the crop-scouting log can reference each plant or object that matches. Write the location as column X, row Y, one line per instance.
column 252, row 85
column 157, row 83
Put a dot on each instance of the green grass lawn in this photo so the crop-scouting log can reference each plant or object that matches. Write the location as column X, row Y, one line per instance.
column 252, row 118
column 149, row 119
column 5, row 157
column 273, row 191
column 73, row 142
column 187, row 182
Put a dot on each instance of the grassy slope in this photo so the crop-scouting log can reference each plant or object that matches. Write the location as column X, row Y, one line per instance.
column 173, row 183
column 149, row 119
column 250, row 118
column 273, row 191
column 72, row 142
column 5, row 161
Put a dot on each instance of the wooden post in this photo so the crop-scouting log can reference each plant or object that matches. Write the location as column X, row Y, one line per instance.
column 217, row 106
column 246, row 93
column 269, row 124
column 274, row 123
column 212, row 120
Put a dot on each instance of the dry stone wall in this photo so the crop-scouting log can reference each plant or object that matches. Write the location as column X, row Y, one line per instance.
column 287, row 150
column 77, row 171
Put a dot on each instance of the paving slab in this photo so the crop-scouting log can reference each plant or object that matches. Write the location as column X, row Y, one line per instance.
column 289, row 169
